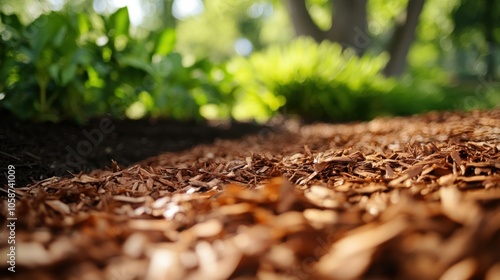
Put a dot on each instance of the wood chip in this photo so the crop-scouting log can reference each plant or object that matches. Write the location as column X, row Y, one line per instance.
column 59, row 206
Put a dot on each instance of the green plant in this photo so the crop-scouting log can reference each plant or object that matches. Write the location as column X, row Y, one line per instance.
column 322, row 82
column 75, row 66
column 316, row 81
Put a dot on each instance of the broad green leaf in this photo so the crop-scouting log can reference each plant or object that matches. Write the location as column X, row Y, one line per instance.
column 68, row 73
column 54, row 72
column 60, row 36
column 146, row 99
column 82, row 57
column 166, row 42
column 42, row 32
column 83, row 23
column 119, row 22
column 135, row 62
column 93, row 78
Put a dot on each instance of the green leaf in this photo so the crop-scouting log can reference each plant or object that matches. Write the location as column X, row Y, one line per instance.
column 54, row 72
column 166, row 42
column 60, row 36
column 146, row 99
column 119, row 22
column 68, row 73
column 83, row 23
column 42, row 32
column 82, row 56
column 135, row 62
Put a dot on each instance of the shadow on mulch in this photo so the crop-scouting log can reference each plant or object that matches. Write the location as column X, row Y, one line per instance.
column 43, row 150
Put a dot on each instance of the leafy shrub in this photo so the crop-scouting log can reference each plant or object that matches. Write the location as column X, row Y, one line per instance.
column 311, row 80
column 320, row 81
column 64, row 66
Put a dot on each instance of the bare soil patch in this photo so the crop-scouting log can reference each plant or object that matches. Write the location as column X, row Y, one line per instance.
column 394, row 198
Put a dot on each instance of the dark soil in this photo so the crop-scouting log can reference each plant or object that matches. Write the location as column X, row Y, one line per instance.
column 394, row 198
column 43, row 150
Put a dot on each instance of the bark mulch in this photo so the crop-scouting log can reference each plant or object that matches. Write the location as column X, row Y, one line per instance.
column 394, row 198
column 42, row 150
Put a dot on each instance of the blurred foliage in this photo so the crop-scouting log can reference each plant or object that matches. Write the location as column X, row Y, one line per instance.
column 213, row 33
column 477, row 24
column 76, row 63
column 467, row 26
column 154, row 14
column 322, row 82
column 75, row 66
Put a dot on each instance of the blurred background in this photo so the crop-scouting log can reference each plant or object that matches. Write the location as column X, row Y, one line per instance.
column 329, row 60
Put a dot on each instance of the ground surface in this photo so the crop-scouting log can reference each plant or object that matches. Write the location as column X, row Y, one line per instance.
column 40, row 151
column 400, row 198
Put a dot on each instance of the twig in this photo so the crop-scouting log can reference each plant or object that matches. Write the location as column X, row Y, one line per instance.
column 7, row 155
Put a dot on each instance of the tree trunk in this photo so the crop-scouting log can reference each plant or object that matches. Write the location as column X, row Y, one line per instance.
column 349, row 28
column 349, row 25
column 403, row 38
column 302, row 21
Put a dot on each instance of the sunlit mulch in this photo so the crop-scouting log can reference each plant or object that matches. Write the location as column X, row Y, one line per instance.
column 394, row 198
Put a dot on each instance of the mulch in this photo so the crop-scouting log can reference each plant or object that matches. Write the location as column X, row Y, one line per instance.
column 394, row 198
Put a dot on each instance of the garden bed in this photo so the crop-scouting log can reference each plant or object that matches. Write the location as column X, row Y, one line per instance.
column 394, row 198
